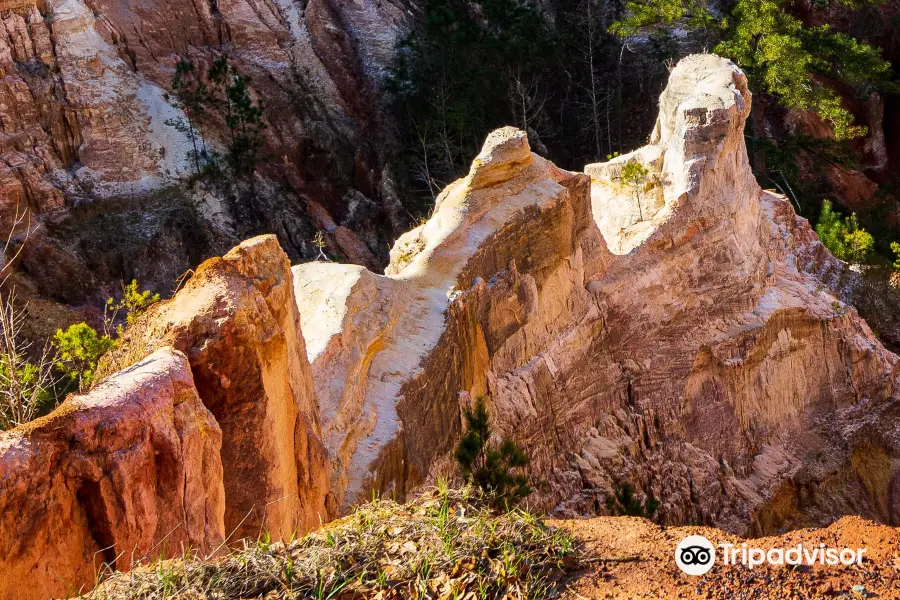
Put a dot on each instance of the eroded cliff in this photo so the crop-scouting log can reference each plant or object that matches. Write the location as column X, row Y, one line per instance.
column 87, row 126
column 128, row 472
column 692, row 350
column 237, row 323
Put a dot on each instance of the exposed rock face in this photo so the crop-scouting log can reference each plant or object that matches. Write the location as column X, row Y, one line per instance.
column 83, row 112
column 237, row 322
column 374, row 338
column 72, row 101
column 130, row 471
column 700, row 357
column 743, row 388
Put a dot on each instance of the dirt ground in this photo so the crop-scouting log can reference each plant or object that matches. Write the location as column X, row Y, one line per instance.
column 634, row 558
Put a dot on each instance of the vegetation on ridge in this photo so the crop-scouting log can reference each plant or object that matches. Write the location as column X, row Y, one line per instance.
column 444, row 543
column 32, row 383
column 844, row 238
column 782, row 55
column 494, row 468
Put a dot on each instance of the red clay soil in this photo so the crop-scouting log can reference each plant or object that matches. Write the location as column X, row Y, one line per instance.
column 634, row 558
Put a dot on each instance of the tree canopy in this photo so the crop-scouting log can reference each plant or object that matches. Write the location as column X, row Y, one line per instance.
column 781, row 54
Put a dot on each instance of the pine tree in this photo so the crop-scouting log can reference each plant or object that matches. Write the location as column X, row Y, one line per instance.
column 781, row 55
column 844, row 238
column 635, row 176
column 224, row 91
column 192, row 97
column 490, row 466
column 243, row 116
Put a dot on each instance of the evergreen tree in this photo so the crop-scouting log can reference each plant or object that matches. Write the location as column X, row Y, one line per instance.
column 782, row 56
column 844, row 238
column 490, row 466
column 222, row 90
column 624, row 502
column 192, row 97
column 635, row 175
column 243, row 116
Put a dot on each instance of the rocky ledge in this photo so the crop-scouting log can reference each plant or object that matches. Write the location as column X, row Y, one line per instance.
column 678, row 337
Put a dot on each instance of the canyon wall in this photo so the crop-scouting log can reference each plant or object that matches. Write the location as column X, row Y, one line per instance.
column 87, row 127
column 677, row 337
column 83, row 89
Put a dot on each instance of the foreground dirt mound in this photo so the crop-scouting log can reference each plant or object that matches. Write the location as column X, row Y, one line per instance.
column 443, row 544
column 634, row 558
column 449, row 544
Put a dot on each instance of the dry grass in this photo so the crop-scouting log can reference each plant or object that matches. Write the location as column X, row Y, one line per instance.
column 445, row 544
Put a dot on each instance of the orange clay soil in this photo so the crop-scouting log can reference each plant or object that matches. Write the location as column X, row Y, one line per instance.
column 633, row 558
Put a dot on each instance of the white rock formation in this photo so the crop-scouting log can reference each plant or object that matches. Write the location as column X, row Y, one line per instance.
column 699, row 358
column 126, row 144
column 369, row 334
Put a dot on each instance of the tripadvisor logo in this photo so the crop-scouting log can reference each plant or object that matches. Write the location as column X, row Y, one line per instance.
column 696, row 555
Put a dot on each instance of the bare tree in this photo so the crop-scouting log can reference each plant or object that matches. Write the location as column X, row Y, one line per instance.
column 441, row 103
column 527, row 100
column 21, row 217
column 24, row 383
column 598, row 99
column 438, row 159
column 422, row 164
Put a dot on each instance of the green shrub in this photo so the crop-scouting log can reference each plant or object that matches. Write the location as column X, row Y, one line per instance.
column 635, row 175
column 625, row 502
column 844, row 238
column 491, row 466
column 895, row 248
column 24, row 391
column 134, row 303
column 80, row 348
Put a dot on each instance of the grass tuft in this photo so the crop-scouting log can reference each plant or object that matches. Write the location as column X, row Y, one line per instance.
column 444, row 544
